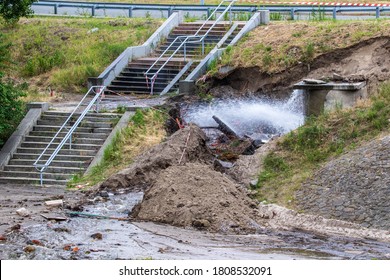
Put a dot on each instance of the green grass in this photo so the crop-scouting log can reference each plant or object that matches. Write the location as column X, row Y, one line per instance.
column 61, row 53
column 301, row 152
column 283, row 44
column 145, row 129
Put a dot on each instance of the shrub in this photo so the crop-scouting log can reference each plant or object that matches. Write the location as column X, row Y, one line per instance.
column 12, row 10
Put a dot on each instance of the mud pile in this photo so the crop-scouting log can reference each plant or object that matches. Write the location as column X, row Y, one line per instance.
column 186, row 145
column 194, row 195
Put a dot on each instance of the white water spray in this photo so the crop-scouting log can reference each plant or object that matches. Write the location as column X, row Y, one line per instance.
column 252, row 115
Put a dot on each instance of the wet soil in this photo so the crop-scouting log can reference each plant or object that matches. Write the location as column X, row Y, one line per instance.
column 77, row 239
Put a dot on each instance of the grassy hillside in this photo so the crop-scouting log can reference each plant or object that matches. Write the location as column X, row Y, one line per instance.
column 61, row 53
column 280, row 45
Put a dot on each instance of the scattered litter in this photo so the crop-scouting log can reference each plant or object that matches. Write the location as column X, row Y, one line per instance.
column 97, row 236
column 54, row 203
column 37, row 242
column 23, row 212
column 29, row 249
column 93, row 30
column 3, row 238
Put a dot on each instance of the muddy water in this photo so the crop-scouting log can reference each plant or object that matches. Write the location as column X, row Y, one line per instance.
column 137, row 240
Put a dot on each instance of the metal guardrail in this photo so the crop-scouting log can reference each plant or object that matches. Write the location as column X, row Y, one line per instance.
column 292, row 10
column 41, row 167
column 187, row 39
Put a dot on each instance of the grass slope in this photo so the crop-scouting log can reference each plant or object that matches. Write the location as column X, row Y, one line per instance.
column 280, row 45
column 61, row 53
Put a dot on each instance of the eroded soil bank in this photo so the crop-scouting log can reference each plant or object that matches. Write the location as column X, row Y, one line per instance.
column 368, row 61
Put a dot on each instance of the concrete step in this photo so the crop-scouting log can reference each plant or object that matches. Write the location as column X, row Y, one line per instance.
column 33, row 157
column 82, row 124
column 76, row 146
column 75, row 140
column 136, row 88
column 62, row 118
column 54, row 163
column 49, row 128
column 75, row 134
column 64, row 151
column 103, row 115
column 130, row 82
column 50, row 170
column 35, row 175
column 139, row 79
column 32, row 181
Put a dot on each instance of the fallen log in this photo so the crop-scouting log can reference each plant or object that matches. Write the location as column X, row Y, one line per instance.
column 225, row 128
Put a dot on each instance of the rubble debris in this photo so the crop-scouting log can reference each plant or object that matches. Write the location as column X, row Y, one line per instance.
column 29, row 249
column 55, row 218
column 23, row 212
column 97, row 236
column 54, row 203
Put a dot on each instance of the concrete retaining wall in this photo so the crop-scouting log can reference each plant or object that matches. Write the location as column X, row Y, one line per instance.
column 25, row 126
column 116, row 67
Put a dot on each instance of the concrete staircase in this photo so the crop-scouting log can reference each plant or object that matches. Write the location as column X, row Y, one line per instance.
column 132, row 79
column 87, row 140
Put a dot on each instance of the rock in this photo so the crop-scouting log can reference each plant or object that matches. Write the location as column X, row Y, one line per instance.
column 253, row 183
column 3, row 238
column 54, row 203
column 16, row 227
column 29, row 249
column 201, row 223
column 23, row 212
column 97, row 236
column 337, row 77
column 222, row 166
column 104, row 194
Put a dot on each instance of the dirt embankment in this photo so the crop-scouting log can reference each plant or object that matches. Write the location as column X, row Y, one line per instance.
column 186, row 145
column 368, row 61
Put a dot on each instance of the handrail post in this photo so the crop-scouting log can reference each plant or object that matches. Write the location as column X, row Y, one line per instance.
column 185, row 49
column 70, row 142
column 41, row 176
column 202, row 46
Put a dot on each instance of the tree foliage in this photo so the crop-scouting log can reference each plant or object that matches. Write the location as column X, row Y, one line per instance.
column 12, row 108
column 12, row 10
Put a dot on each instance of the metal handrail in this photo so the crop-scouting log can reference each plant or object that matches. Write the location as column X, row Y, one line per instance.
column 186, row 40
column 98, row 91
